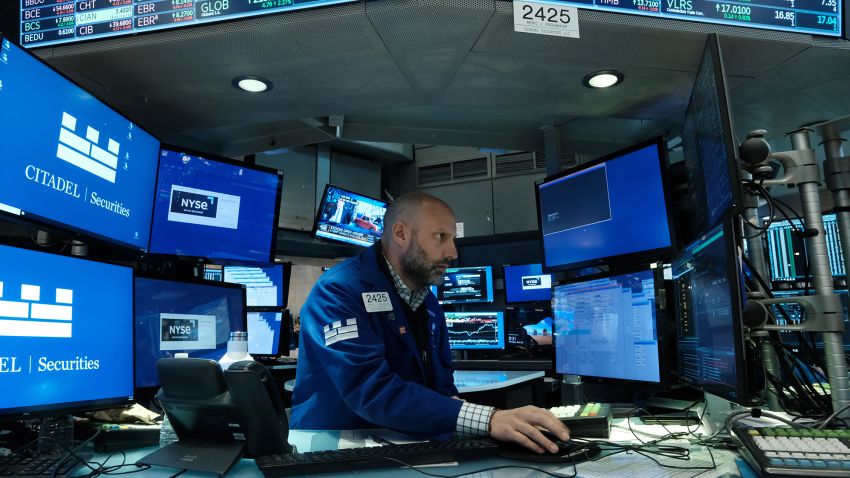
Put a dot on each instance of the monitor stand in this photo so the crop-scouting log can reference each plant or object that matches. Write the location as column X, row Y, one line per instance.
column 668, row 411
column 212, row 457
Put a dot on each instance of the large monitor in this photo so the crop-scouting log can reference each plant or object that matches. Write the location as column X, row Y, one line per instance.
column 787, row 251
column 607, row 327
column 707, row 292
column 465, row 285
column 264, row 286
column 268, row 333
column 215, row 208
column 708, row 144
column 66, row 334
column 527, row 283
column 608, row 210
column 476, row 330
column 346, row 216
column 69, row 160
column 192, row 317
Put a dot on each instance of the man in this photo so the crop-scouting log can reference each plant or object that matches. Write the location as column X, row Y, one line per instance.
column 374, row 344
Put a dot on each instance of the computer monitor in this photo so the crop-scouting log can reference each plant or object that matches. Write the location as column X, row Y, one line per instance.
column 527, row 283
column 476, row 330
column 796, row 316
column 66, row 334
column 346, row 216
column 708, row 303
column 528, row 327
column 708, row 145
column 175, row 316
column 264, row 286
column 215, row 207
column 69, row 160
column 268, row 333
column 613, row 209
column 787, row 252
column 607, row 327
column 213, row 272
column 465, row 285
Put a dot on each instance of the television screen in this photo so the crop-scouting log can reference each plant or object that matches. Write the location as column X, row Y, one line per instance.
column 69, row 160
column 476, row 330
column 188, row 317
column 527, row 283
column 349, row 217
column 708, row 145
column 55, row 312
column 610, row 209
column 528, row 327
column 606, row 327
column 463, row 285
column 213, row 272
column 268, row 333
column 264, row 286
column 215, row 208
column 787, row 251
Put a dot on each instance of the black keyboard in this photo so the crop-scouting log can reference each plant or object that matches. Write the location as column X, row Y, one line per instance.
column 362, row 458
column 39, row 465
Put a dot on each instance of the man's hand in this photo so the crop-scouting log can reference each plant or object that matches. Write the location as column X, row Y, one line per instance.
column 519, row 425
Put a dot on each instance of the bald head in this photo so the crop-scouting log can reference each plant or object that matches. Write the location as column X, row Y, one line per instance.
column 409, row 208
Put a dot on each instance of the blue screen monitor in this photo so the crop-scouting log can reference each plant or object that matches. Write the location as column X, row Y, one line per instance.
column 527, row 283
column 268, row 333
column 465, row 285
column 66, row 334
column 611, row 209
column 708, row 144
column 191, row 317
column 707, row 293
column 264, row 286
column 476, row 330
column 69, row 160
column 215, row 208
column 607, row 327
column 528, row 327
column 787, row 252
column 346, row 216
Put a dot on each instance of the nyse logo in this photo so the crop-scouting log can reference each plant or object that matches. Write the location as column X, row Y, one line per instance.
column 537, row 282
column 84, row 152
column 180, row 330
column 32, row 317
column 185, row 202
column 531, row 281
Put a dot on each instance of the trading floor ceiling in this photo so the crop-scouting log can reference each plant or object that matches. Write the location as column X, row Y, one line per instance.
column 448, row 72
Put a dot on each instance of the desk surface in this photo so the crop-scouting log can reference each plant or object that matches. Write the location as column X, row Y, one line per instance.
column 621, row 465
column 468, row 381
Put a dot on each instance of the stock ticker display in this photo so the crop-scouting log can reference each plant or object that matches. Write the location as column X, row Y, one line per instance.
column 817, row 17
column 49, row 22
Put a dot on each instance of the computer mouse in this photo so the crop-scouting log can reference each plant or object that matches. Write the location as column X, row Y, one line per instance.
column 570, row 451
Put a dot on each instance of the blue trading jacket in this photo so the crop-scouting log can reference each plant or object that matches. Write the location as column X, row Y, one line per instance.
column 358, row 369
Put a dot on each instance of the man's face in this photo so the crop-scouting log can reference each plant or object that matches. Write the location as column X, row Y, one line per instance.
column 431, row 247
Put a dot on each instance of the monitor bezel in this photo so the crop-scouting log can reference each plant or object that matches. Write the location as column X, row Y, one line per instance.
column 662, row 327
column 65, row 408
column 284, row 287
column 146, row 390
column 618, row 259
column 505, row 279
column 489, row 289
column 500, row 321
column 231, row 162
column 318, row 215
column 75, row 232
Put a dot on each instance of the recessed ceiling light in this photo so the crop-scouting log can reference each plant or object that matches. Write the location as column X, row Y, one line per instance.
column 603, row 79
column 252, row 84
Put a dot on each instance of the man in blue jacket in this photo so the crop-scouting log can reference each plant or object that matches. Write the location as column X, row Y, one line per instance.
column 374, row 350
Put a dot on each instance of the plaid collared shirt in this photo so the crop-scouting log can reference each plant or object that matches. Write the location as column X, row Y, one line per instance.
column 413, row 298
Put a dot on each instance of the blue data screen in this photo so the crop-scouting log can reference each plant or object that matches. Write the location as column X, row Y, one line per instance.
column 527, row 283
column 264, row 329
column 68, row 158
column 66, row 331
column 263, row 285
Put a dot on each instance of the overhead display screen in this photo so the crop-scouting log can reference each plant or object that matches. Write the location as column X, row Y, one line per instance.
column 48, row 22
column 815, row 17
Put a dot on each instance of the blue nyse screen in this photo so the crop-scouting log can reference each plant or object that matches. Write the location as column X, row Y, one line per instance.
column 264, row 286
column 66, row 332
column 607, row 328
column 70, row 160
column 48, row 22
column 527, row 283
column 346, row 216
column 264, row 333
column 613, row 208
column 209, row 208
column 476, row 330
column 176, row 317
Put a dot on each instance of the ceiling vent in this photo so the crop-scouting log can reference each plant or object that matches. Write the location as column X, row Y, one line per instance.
column 438, row 173
column 462, row 170
column 470, row 168
column 514, row 163
column 568, row 160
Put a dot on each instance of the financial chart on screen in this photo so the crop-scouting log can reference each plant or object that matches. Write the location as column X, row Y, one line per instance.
column 476, row 330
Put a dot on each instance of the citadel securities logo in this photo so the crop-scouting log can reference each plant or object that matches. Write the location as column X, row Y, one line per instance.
column 29, row 317
column 84, row 152
column 340, row 331
column 203, row 207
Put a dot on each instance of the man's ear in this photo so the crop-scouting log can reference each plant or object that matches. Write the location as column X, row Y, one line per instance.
column 401, row 233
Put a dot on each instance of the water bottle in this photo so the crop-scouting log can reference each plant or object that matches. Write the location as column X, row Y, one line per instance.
column 237, row 349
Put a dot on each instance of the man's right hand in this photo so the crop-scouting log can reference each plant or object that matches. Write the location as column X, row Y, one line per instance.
column 520, row 425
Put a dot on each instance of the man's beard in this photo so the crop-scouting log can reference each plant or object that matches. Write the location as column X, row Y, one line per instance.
column 418, row 268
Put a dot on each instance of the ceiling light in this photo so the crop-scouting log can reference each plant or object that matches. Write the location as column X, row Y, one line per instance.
column 603, row 79
column 252, row 84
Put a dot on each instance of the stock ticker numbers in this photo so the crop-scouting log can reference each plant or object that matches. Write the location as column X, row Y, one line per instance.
column 816, row 17
column 48, row 22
